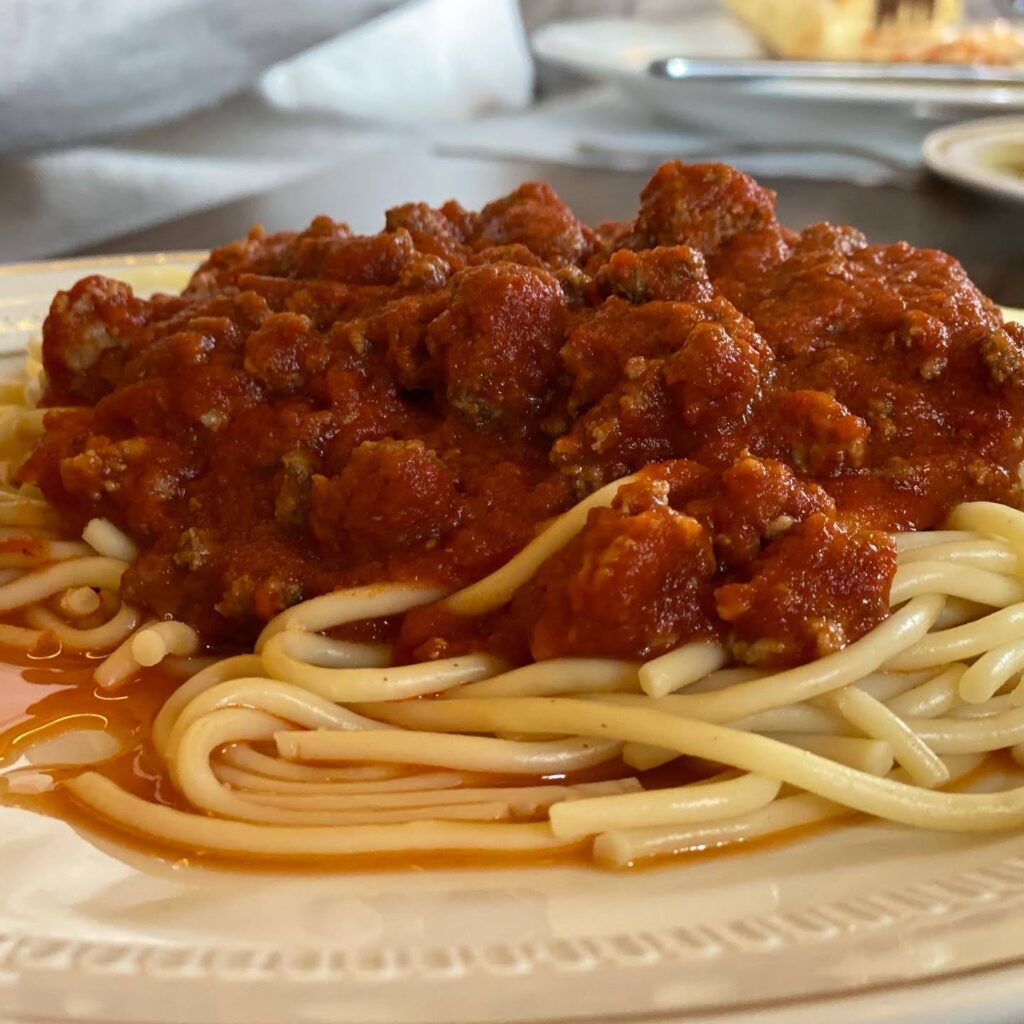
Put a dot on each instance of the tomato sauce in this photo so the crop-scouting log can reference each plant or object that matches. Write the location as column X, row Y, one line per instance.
column 320, row 409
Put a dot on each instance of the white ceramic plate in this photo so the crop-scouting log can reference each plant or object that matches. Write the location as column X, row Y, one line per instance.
column 27, row 288
column 870, row 114
column 979, row 154
column 863, row 923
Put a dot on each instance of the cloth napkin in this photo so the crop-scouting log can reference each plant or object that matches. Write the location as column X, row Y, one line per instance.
column 392, row 76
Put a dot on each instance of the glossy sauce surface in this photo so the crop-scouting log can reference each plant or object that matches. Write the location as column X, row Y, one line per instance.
column 321, row 409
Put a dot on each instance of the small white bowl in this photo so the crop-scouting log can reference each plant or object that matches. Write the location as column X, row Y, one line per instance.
column 985, row 155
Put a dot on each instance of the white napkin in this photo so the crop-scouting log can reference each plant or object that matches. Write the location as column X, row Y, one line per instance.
column 56, row 202
column 434, row 60
column 76, row 69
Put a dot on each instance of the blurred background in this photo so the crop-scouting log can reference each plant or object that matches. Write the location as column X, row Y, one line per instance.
column 138, row 126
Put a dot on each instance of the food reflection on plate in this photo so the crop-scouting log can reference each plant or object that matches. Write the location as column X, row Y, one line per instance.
column 497, row 535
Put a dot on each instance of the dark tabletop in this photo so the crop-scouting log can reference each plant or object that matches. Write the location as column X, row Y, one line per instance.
column 986, row 235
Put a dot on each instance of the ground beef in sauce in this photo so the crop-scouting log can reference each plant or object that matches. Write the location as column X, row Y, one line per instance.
column 321, row 409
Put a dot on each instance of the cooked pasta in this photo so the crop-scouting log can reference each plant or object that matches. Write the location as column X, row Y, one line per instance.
column 609, row 532
column 354, row 766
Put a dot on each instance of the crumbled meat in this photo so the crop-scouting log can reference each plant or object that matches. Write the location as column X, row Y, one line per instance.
column 195, row 549
column 291, row 508
column 89, row 336
column 673, row 379
column 372, row 260
column 499, row 340
column 753, row 500
column 700, row 205
column 252, row 254
column 1003, row 354
column 284, row 352
column 834, row 288
column 674, row 273
column 715, row 375
column 651, row 568
column 535, row 217
column 400, row 330
column 515, row 252
column 438, row 232
column 575, row 285
column 600, row 349
column 131, row 481
column 392, row 496
column 634, row 424
column 425, row 271
column 810, row 593
column 821, row 435
column 924, row 337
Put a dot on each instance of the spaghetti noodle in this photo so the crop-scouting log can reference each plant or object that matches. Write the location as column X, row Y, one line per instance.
column 312, row 703
column 395, row 713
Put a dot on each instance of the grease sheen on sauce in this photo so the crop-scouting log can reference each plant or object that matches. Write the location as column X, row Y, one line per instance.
column 320, row 409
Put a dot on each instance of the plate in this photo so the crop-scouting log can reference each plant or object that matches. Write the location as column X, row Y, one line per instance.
column 985, row 155
column 27, row 288
column 863, row 922
column 884, row 115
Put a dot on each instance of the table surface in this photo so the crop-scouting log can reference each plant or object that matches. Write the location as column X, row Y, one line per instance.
column 986, row 235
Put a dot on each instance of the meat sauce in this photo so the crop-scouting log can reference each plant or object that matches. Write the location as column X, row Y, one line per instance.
column 323, row 409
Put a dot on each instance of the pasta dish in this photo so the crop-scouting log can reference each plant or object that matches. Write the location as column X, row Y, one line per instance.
column 497, row 534
column 927, row 32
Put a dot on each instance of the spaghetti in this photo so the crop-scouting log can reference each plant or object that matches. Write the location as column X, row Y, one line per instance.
column 397, row 713
column 881, row 738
